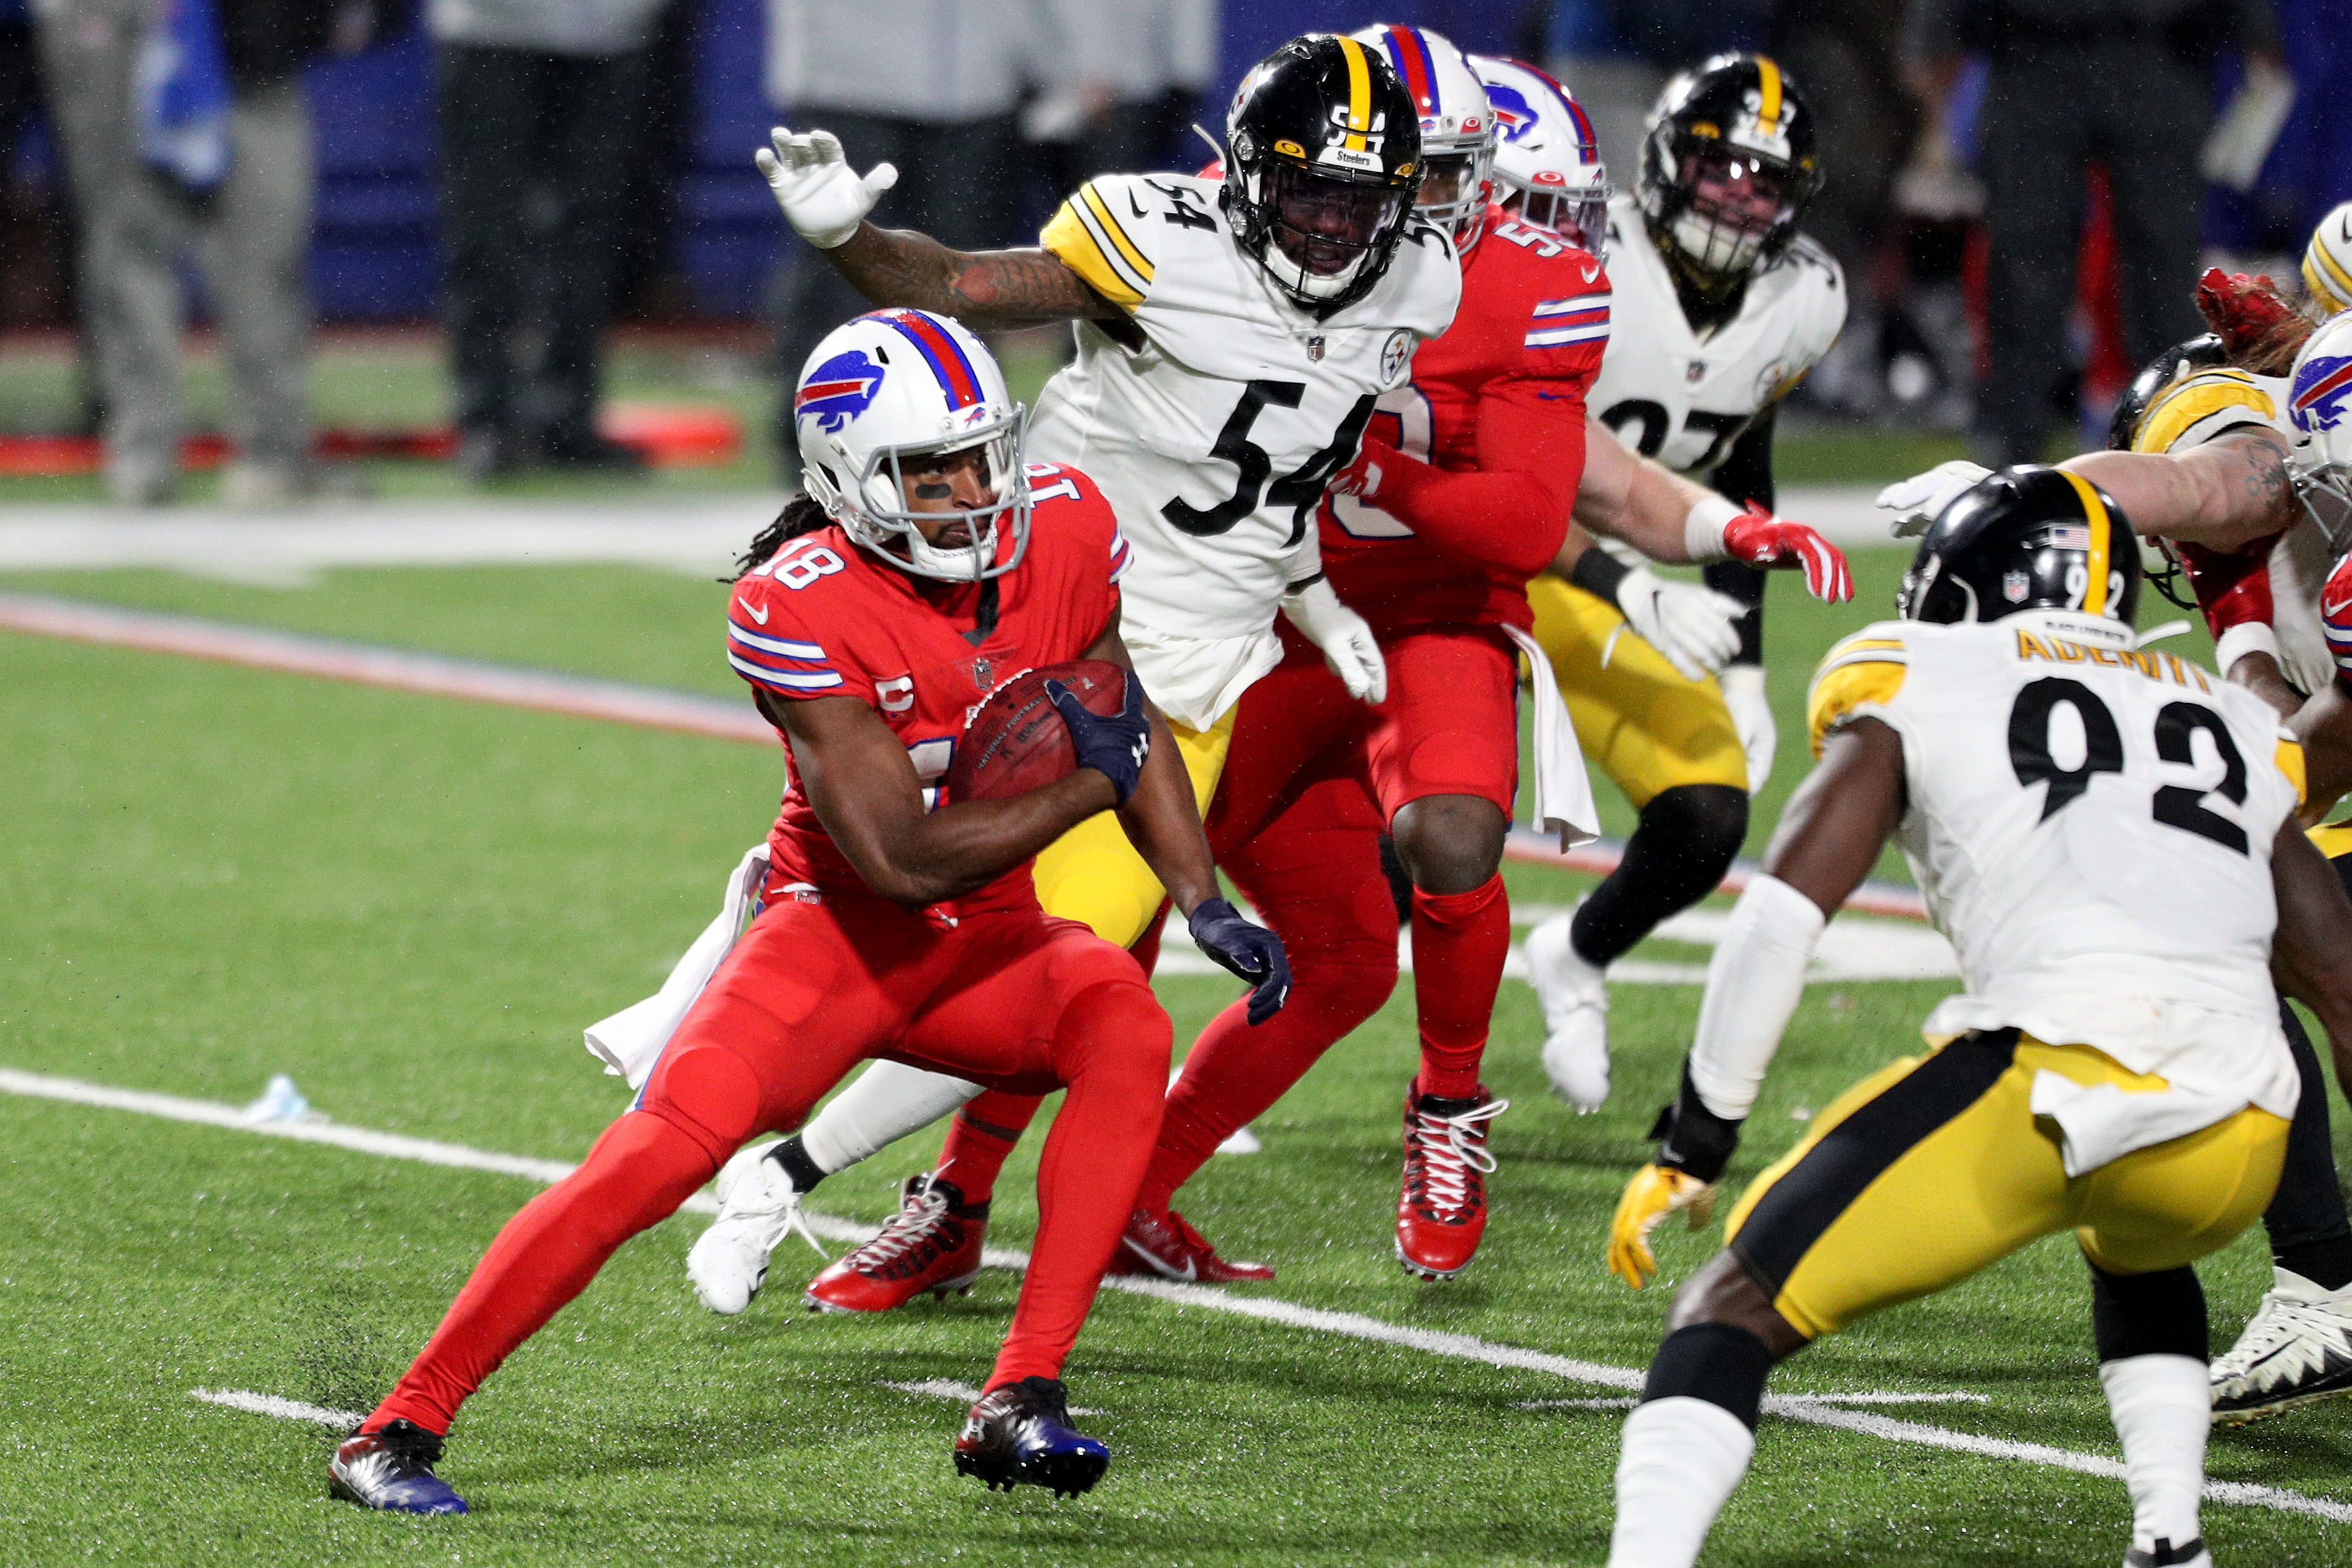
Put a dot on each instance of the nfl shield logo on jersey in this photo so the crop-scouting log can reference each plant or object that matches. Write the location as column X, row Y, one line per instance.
column 1315, row 346
column 981, row 671
column 1696, row 371
column 2015, row 586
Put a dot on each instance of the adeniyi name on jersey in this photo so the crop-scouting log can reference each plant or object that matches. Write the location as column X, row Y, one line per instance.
column 1683, row 398
column 1522, row 352
column 2090, row 825
column 823, row 619
column 1214, row 436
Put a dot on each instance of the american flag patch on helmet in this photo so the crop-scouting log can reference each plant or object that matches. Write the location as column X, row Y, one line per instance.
column 2071, row 536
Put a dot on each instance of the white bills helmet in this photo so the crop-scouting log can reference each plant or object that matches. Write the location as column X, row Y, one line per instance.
column 894, row 384
column 1457, row 132
column 1546, row 158
column 2319, row 406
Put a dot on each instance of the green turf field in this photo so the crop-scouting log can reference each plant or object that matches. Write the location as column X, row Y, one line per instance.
column 412, row 905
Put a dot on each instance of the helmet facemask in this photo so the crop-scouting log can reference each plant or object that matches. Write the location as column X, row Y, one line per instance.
column 876, row 507
column 1456, row 180
column 1738, row 205
column 2325, row 492
column 1581, row 216
column 1323, row 230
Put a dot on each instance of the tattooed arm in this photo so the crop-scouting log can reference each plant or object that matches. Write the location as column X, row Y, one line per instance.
column 2223, row 495
column 988, row 289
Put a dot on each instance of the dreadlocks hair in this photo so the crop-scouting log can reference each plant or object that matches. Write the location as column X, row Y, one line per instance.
column 801, row 515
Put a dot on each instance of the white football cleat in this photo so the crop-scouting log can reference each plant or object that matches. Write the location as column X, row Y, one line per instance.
column 1576, row 1014
column 2296, row 1351
column 758, row 1205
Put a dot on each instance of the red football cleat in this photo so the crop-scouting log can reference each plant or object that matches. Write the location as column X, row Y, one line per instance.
column 1442, row 1212
column 1170, row 1248
column 932, row 1244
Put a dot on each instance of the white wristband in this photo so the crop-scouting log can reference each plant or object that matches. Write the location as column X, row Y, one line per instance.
column 2245, row 638
column 1703, row 529
column 1753, row 985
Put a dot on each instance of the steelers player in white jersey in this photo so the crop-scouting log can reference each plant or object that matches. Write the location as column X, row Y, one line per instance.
column 1233, row 338
column 1719, row 306
column 2107, row 836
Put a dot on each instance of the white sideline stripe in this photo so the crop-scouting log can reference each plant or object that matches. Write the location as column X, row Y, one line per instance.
column 1266, row 1310
column 284, row 1409
column 1873, row 1396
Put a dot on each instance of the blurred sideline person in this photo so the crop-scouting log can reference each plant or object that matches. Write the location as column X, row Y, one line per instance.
column 238, row 193
column 2106, row 837
column 537, row 102
column 2125, row 83
column 928, row 86
column 1720, row 308
column 1123, row 79
column 1233, row 336
column 926, row 560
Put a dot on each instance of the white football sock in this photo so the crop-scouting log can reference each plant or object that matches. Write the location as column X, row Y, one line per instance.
column 889, row 1101
column 1677, row 1463
column 2163, row 1406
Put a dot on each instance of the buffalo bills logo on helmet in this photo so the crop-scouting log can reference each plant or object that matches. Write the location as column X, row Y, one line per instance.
column 2321, row 388
column 838, row 390
column 1514, row 115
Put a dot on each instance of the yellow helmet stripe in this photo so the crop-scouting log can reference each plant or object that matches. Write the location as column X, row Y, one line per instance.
column 1359, row 92
column 1769, row 92
column 2102, row 532
column 2326, row 277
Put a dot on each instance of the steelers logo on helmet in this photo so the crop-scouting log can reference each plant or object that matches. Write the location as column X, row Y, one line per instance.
column 1457, row 128
column 1547, row 168
column 1325, row 159
column 1727, row 167
column 909, row 441
column 2026, row 538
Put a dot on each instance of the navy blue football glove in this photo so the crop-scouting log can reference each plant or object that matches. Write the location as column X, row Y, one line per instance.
column 1249, row 950
column 1114, row 746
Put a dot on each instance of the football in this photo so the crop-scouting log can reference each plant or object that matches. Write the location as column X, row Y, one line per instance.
column 1014, row 741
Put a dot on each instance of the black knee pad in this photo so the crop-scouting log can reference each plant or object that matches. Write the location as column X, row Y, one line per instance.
column 2147, row 1314
column 1720, row 1362
column 1708, row 822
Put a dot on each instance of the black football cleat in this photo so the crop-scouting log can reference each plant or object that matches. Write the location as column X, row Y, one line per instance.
column 392, row 1469
column 1020, row 1434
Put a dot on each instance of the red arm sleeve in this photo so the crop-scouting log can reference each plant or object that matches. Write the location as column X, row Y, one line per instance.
column 1511, row 513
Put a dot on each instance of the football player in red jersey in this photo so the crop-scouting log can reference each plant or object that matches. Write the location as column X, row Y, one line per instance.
column 926, row 563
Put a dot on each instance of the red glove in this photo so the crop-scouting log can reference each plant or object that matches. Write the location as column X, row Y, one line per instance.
column 2335, row 616
column 1375, row 460
column 2258, row 328
column 1759, row 539
column 2230, row 589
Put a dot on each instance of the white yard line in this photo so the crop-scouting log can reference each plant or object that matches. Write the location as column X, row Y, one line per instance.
column 1260, row 1309
column 284, row 1409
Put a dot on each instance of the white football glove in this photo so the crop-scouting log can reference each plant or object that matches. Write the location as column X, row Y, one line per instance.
column 1696, row 628
column 1751, row 719
column 1915, row 502
column 1346, row 641
column 823, row 197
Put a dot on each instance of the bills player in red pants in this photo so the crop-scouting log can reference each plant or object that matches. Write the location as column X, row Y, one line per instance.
column 925, row 563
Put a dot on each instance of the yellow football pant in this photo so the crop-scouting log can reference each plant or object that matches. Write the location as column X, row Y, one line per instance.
column 1635, row 715
column 1929, row 1171
column 1093, row 875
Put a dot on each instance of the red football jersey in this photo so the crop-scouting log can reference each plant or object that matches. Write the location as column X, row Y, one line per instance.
column 824, row 618
column 1526, row 344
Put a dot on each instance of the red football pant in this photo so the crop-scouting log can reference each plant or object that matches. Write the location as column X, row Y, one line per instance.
column 1015, row 1000
column 1313, row 780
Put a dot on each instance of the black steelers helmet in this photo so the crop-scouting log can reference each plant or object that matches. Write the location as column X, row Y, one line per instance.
column 2203, row 352
column 2027, row 538
column 1735, row 116
column 1322, row 162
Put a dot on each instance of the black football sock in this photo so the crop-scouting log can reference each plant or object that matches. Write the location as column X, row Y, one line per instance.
column 1678, row 855
column 2309, row 1232
column 796, row 1164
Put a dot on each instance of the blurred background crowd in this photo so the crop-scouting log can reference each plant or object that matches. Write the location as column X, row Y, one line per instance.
column 2021, row 192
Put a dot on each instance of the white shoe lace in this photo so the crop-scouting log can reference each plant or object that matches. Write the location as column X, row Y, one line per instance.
column 774, row 1203
column 903, row 1231
column 1451, row 1148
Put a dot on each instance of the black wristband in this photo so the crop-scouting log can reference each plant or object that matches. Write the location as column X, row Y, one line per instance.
column 1694, row 1141
column 1600, row 574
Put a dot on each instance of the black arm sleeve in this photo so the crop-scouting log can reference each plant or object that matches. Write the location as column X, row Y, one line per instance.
column 1746, row 475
